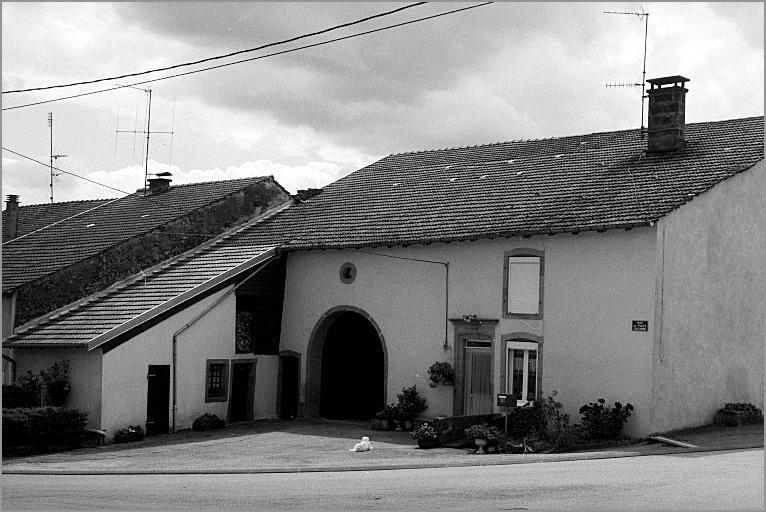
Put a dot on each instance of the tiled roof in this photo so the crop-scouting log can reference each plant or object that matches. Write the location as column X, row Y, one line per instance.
column 588, row 182
column 143, row 296
column 35, row 216
column 598, row 181
column 94, row 231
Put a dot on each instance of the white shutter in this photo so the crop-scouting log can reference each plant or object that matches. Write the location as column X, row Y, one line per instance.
column 524, row 285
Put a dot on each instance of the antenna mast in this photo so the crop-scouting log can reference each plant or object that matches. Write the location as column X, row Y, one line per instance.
column 53, row 157
column 148, row 132
column 645, row 16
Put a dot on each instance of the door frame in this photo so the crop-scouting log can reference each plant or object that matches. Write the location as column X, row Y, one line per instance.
column 250, row 404
column 464, row 330
column 165, row 369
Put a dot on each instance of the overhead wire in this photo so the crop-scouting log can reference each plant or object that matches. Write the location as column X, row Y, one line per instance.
column 388, row 27
column 232, row 54
column 167, row 206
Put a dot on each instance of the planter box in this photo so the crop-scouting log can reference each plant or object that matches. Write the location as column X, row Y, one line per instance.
column 731, row 418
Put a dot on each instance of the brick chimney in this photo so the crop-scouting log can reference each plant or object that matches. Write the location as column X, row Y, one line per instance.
column 11, row 216
column 158, row 185
column 667, row 108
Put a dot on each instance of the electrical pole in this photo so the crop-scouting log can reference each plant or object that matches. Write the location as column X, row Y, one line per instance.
column 53, row 157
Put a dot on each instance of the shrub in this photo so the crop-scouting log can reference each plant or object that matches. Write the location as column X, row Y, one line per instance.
column 40, row 429
column 49, row 387
column 441, row 373
column 208, row 422
column 526, row 421
column 410, row 403
column 426, row 436
column 604, row 422
column 56, row 383
column 484, row 431
column 129, row 434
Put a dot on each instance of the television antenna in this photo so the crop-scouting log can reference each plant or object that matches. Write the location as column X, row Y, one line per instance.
column 148, row 131
column 53, row 157
column 642, row 16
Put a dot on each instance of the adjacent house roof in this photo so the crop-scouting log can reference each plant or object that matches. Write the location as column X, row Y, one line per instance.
column 145, row 297
column 35, row 216
column 588, row 182
column 115, row 221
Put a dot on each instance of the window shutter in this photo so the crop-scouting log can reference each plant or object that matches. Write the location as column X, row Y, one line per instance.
column 524, row 285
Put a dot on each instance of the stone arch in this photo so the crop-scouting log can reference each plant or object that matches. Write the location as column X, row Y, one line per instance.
column 316, row 349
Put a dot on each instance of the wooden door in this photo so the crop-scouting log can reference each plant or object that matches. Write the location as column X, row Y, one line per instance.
column 242, row 391
column 157, row 399
column 477, row 383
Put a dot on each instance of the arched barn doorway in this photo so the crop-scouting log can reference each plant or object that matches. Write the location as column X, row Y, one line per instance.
column 347, row 366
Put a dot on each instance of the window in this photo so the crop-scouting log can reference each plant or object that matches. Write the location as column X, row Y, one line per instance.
column 216, row 380
column 523, row 285
column 521, row 371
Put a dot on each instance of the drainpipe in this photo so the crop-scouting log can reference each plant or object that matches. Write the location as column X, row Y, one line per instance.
column 446, row 346
column 194, row 321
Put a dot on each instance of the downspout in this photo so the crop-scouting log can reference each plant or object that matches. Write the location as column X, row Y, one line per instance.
column 192, row 322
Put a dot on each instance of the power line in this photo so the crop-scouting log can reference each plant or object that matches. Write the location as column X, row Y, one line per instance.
column 336, row 27
column 252, row 58
column 61, row 170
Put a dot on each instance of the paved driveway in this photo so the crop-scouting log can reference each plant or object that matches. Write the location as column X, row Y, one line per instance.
column 302, row 445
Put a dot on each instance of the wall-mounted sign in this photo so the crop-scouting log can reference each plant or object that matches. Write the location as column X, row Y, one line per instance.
column 506, row 400
column 640, row 325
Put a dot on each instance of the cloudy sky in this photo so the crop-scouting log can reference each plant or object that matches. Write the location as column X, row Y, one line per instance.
column 499, row 72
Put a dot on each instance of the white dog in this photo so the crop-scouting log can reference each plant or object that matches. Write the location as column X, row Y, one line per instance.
column 362, row 446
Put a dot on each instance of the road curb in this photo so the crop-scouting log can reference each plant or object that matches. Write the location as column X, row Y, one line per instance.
column 522, row 459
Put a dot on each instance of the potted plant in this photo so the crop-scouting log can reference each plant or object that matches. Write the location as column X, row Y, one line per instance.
column 410, row 405
column 441, row 373
column 486, row 438
column 426, row 436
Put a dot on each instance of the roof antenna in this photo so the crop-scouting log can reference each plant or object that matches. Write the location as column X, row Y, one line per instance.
column 642, row 16
column 53, row 157
column 148, row 131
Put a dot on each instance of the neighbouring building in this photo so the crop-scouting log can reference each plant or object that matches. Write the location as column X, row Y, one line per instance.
column 622, row 265
column 58, row 253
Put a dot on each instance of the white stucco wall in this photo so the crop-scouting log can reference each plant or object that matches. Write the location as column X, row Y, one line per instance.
column 212, row 337
column 713, row 303
column 595, row 284
column 84, row 376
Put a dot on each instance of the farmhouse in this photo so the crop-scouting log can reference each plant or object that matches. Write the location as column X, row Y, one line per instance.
column 621, row 265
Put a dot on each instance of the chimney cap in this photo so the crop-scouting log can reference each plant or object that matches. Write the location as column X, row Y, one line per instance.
column 675, row 79
column 13, row 198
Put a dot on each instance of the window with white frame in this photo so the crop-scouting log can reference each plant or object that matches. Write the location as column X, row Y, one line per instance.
column 521, row 372
column 523, row 285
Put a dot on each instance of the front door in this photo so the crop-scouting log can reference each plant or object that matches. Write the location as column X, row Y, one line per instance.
column 290, row 382
column 157, row 399
column 242, row 387
column 478, row 377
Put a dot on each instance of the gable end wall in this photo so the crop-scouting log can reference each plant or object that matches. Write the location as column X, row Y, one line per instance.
column 711, row 256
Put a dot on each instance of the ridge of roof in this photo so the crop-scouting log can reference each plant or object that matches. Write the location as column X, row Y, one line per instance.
column 558, row 137
column 151, row 271
column 64, row 203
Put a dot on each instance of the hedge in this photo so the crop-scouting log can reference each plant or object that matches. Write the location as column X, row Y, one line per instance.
column 41, row 429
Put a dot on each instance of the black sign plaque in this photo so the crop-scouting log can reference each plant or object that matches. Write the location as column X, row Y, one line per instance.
column 506, row 400
column 640, row 325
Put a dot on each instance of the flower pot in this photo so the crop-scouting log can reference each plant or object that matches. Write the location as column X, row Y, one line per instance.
column 480, row 443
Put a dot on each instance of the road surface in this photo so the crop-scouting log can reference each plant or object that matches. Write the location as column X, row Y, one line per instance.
column 727, row 480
